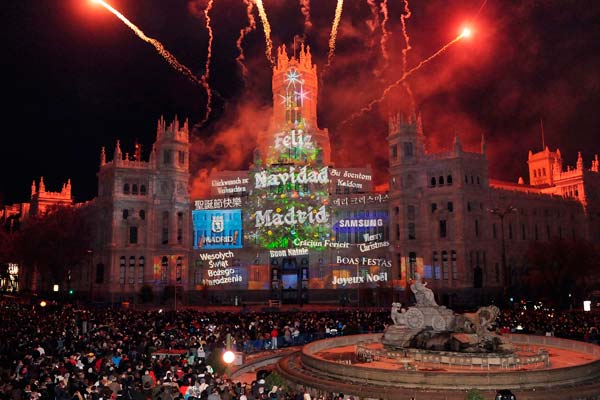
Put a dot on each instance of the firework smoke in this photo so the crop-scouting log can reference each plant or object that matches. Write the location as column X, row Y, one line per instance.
column 305, row 8
column 384, row 33
column 157, row 45
column 406, row 15
column 404, row 76
column 267, row 28
column 243, row 32
column 334, row 29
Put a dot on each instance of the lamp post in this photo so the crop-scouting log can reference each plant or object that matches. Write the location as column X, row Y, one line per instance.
column 501, row 213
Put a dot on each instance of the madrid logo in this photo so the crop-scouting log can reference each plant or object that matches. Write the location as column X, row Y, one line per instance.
column 218, row 223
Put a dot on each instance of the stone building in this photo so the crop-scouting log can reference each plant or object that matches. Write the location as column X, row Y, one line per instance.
column 144, row 219
column 295, row 227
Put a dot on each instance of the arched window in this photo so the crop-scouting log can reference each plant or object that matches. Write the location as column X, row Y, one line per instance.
column 445, row 265
column 164, row 269
column 125, row 213
column 178, row 269
column 131, row 279
column 134, row 189
column 126, row 188
column 141, row 266
column 453, row 266
column 449, row 180
column 99, row 273
column 143, row 190
column 433, row 181
column 122, row 270
column 165, row 228
column 142, row 214
column 441, row 180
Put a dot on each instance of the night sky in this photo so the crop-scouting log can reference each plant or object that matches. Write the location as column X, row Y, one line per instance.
column 76, row 78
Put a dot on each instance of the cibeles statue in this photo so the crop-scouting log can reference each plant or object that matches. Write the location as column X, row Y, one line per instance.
column 423, row 294
column 398, row 314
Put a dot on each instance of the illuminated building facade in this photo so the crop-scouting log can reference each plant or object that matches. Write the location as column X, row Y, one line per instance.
column 297, row 228
column 143, row 235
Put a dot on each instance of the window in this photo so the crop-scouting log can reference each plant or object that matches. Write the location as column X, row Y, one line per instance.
column 165, row 228
column 167, row 160
column 143, row 190
column 548, row 231
column 399, row 262
column 443, row 228
column 125, row 213
column 141, row 266
column 412, row 264
column 122, row 270
column 510, row 231
column 133, row 235
column 432, row 181
column 142, row 215
column 450, row 206
column 497, row 271
column 164, row 269
column 449, row 180
column 523, row 235
column 198, row 275
column 478, row 180
column 437, row 273
column 433, row 207
column 466, row 179
column 453, row 266
column 408, row 149
column 410, row 213
column 394, row 150
column 468, row 206
column 181, row 157
column 441, row 180
column 179, row 227
column 476, row 228
column 411, row 232
column 126, row 188
column 397, row 232
column 134, row 189
column 445, row 265
column 178, row 269
column 131, row 279
column 534, row 173
column 99, row 273
column 535, row 232
column 494, row 231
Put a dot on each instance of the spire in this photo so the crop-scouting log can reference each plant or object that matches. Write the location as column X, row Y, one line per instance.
column 102, row 156
column 457, row 145
column 33, row 189
column 42, row 185
column 419, row 125
column 595, row 163
column 484, row 145
column 137, row 154
column 68, row 187
column 579, row 161
column 118, row 154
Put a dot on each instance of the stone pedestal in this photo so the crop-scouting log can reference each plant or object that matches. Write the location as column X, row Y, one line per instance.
column 398, row 336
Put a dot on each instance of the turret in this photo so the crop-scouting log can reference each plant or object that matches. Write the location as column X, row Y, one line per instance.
column 118, row 154
column 457, row 147
column 406, row 139
column 42, row 185
column 102, row 156
column 579, row 162
column 484, row 145
column 595, row 165
column 33, row 189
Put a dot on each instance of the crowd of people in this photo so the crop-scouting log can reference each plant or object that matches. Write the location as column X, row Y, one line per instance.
column 77, row 353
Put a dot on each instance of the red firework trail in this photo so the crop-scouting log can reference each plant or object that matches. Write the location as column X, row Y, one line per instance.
column 267, row 28
column 206, row 75
column 334, row 29
column 243, row 32
column 404, row 76
column 406, row 15
column 170, row 58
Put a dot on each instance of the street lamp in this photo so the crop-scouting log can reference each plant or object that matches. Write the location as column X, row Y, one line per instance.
column 500, row 213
